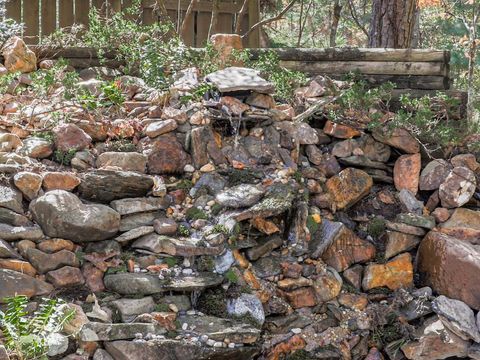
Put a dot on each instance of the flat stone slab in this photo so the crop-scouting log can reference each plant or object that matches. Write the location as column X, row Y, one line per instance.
column 95, row 331
column 237, row 79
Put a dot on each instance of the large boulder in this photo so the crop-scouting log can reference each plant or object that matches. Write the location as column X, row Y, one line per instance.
column 61, row 214
column 18, row 57
column 450, row 266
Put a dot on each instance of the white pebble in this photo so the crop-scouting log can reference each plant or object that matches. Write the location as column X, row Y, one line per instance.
column 296, row 330
column 231, row 345
column 184, row 326
column 218, row 344
column 210, row 342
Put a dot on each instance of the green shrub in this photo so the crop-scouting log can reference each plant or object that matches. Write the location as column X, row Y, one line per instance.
column 25, row 336
column 195, row 213
column 64, row 157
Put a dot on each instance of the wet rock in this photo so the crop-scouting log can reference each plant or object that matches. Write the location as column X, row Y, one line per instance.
column 166, row 155
column 458, row 188
column 339, row 247
column 62, row 214
column 246, row 305
column 96, row 331
column 457, row 317
column 127, row 161
column 108, row 185
column 66, row 276
column 463, row 224
column 60, row 181
column 70, row 137
column 395, row 274
column 44, row 262
column 28, row 183
column 434, row 174
column 398, row 138
column 161, row 244
column 236, row 79
column 37, row 148
column 15, row 283
column 339, row 130
column 17, row 56
column 450, row 267
column 139, row 205
column 398, row 242
column 348, row 187
column 435, row 341
column 243, row 195
column 130, row 308
column 406, row 172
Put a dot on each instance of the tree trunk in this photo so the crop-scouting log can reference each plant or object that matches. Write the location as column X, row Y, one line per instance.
column 393, row 23
column 337, row 10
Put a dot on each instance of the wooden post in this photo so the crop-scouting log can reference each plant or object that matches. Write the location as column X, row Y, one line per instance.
column 66, row 15
column 253, row 18
column 49, row 17
column 31, row 12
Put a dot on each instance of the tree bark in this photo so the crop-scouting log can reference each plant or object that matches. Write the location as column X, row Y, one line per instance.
column 337, row 11
column 393, row 23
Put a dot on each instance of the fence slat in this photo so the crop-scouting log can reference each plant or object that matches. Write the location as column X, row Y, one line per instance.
column 82, row 8
column 65, row 13
column 225, row 23
column 14, row 10
column 49, row 17
column 31, row 11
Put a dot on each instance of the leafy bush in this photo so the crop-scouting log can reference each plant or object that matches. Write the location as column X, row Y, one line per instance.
column 26, row 336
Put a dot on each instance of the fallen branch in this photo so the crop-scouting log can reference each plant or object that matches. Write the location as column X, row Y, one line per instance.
column 314, row 108
column 272, row 19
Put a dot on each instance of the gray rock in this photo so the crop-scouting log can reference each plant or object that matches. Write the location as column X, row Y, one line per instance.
column 11, row 199
column 161, row 244
column 434, row 174
column 95, row 331
column 130, row 308
column 127, row 161
column 246, row 304
column 267, row 266
column 158, row 128
column 15, row 283
column 44, row 262
column 410, row 202
column 134, row 234
column 264, row 247
column 137, row 205
column 130, row 222
column 102, row 354
column 224, row 262
column 242, row 195
column 6, row 251
column 12, row 233
column 458, row 188
column 427, row 222
column 457, row 317
column 213, row 182
column 108, row 185
column 10, row 217
column 61, row 214
column 36, row 148
column 237, row 78
column 165, row 226
column 57, row 344
column 175, row 350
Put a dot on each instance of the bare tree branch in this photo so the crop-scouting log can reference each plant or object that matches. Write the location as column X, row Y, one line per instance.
column 214, row 19
column 353, row 13
column 272, row 19
column 240, row 16
column 187, row 18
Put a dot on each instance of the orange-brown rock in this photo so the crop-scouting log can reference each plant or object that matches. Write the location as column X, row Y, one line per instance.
column 21, row 266
column 53, row 245
column 225, row 45
column 406, row 172
column 451, row 267
column 280, row 350
column 234, row 105
column 18, row 57
column 464, row 224
column 339, row 247
column 395, row 274
column 302, row 297
column 466, row 160
column 398, row 242
column 340, row 131
column 265, row 226
column 458, row 188
column 93, row 277
column 327, row 285
column 353, row 301
column 398, row 138
column 66, row 276
column 166, row 319
column 28, row 183
column 54, row 180
column 166, row 155
column 348, row 187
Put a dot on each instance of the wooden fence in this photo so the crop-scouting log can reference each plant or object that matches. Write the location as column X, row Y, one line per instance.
column 43, row 17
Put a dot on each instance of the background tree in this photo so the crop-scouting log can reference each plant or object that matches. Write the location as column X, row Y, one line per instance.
column 392, row 23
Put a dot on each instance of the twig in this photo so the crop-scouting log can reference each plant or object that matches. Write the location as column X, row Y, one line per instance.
column 272, row 19
column 240, row 16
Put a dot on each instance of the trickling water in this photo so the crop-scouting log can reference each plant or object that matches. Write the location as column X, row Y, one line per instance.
column 194, row 295
column 235, row 125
